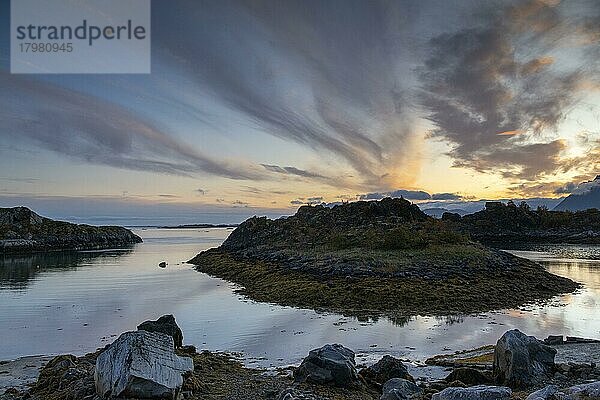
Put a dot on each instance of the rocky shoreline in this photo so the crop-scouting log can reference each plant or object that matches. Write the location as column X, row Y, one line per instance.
column 24, row 231
column 374, row 257
column 147, row 363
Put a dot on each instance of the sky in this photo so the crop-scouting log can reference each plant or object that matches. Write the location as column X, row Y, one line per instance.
column 257, row 107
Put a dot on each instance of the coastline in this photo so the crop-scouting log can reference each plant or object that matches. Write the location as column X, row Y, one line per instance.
column 219, row 375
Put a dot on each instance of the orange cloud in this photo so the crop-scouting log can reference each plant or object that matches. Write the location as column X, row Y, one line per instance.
column 536, row 65
column 510, row 133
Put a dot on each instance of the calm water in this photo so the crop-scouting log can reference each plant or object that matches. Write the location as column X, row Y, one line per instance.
column 77, row 302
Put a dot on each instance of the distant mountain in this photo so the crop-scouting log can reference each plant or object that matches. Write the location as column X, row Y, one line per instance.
column 586, row 196
column 437, row 212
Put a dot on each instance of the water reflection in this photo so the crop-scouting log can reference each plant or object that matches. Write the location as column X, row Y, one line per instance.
column 74, row 305
column 17, row 270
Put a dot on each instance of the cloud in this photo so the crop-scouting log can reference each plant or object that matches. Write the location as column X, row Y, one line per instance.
column 315, row 200
column 495, row 103
column 239, row 203
column 411, row 194
column 579, row 188
column 446, row 196
column 567, row 188
column 407, row 194
column 92, row 130
column 329, row 76
column 21, row 180
column 291, row 171
column 309, row 201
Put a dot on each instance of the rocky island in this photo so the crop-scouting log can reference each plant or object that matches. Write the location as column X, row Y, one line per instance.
column 24, row 231
column 374, row 257
column 506, row 224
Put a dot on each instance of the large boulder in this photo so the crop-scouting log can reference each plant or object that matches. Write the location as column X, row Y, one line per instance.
column 468, row 376
column 141, row 364
column 586, row 391
column 550, row 392
column 332, row 363
column 474, row 393
column 400, row 389
column 385, row 369
column 165, row 324
column 522, row 361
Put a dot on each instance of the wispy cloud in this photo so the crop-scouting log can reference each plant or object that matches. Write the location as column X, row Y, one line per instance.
column 326, row 75
column 89, row 129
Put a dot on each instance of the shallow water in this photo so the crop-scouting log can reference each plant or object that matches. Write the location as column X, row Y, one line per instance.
column 77, row 302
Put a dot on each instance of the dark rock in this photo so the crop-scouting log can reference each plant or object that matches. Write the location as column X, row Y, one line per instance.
column 332, row 363
column 474, row 393
column 438, row 385
column 550, row 392
column 586, row 391
column 450, row 216
column 522, row 361
column 469, row 376
column 165, row 324
column 400, row 389
column 385, row 369
column 295, row 394
column 554, row 340
column 575, row 339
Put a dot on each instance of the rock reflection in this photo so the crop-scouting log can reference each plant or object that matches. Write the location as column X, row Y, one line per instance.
column 16, row 271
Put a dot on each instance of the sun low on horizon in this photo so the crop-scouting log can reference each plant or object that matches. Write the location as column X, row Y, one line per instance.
column 270, row 105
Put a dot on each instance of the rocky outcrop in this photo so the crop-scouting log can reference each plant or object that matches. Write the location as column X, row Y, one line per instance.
column 332, row 363
column 384, row 370
column 165, row 324
column 22, row 230
column 506, row 224
column 370, row 254
column 521, row 361
column 141, row 364
column 474, row 393
column 400, row 389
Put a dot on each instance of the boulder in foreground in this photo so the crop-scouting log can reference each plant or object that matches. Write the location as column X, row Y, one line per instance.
column 468, row 376
column 586, row 391
column 400, row 389
column 332, row 363
column 385, row 369
column 141, row 364
column 521, row 361
column 474, row 393
column 165, row 324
